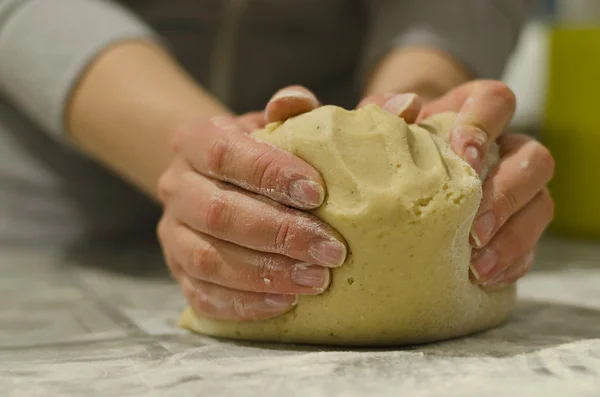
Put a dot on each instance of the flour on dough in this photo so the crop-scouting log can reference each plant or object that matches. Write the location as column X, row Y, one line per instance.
column 405, row 204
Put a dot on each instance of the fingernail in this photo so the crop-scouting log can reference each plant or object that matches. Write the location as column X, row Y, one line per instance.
column 473, row 157
column 508, row 275
column 398, row 103
column 483, row 228
column 281, row 301
column 327, row 252
column 307, row 193
column 498, row 281
column 307, row 275
column 295, row 94
column 483, row 263
column 469, row 142
column 465, row 112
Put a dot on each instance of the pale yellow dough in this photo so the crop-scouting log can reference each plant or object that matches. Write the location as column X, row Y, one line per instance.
column 404, row 203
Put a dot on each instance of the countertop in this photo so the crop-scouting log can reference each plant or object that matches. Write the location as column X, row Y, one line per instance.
column 100, row 322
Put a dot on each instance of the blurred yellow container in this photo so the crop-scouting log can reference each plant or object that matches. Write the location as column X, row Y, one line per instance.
column 572, row 128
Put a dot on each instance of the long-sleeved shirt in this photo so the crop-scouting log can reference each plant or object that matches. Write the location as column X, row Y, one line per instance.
column 52, row 193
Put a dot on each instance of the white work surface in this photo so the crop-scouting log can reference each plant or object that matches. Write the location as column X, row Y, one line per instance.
column 101, row 323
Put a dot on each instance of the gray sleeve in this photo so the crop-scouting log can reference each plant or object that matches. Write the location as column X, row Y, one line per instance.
column 45, row 45
column 479, row 33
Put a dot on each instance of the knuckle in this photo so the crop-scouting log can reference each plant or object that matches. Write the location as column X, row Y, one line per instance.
column 165, row 187
column 161, row 229
column 200, row 302
column 216, row 215
column 506, row 204
column 218, row 155
column 266, row 170
column 499, row 89
column 283, row 236
column 241, row 308
column 265, row 270
column 195, row 296
column 205, row 262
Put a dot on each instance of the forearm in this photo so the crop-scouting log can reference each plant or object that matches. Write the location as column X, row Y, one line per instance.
column 89, row 71
column 430, row 46
column 426, row 71
column 128, row 104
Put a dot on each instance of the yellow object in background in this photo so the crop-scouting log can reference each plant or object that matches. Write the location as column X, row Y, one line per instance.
column 571, row 128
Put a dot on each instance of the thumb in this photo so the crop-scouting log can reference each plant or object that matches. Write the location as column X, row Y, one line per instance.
column 289, row 102
column 405, row 106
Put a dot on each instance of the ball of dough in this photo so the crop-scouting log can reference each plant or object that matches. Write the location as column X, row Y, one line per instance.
column 405, row 203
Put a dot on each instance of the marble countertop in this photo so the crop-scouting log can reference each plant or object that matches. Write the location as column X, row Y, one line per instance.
column 101, row 323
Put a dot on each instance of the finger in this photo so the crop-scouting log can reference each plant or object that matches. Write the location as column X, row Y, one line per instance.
column 253, row 121
column 228, row 213
column 485, row 108
column 229, row 265
column 222, row 150
column 511, row 274
column 289, row 102
column 525, row 168
column 516, row 238
column 405, row 106
column 218, row 302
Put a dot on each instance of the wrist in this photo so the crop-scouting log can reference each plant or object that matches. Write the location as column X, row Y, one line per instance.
column 127, row 106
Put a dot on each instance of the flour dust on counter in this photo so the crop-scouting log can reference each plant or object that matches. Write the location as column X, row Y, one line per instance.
column 82, row 329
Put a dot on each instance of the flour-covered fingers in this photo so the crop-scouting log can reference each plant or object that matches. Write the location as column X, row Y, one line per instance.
column 219, row 302
column 516, row 238
column 525, row 167
column 485, row 108
column 511, row 274
column 219, row 262
column 252, row 221
column 222, row 149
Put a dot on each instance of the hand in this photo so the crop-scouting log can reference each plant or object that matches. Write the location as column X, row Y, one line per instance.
column 295, row 100
column 229, row 233
column 516, row 206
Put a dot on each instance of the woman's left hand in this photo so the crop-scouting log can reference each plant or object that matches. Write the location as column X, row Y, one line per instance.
column 516, row 206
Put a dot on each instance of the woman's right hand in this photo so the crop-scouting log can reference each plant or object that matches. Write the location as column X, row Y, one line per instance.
column 233, row 231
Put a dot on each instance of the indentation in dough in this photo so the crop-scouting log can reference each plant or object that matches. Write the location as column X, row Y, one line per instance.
column 423, row 150
column 458, row 199
column 424, row 201
column 361, row 167
column 420, row 204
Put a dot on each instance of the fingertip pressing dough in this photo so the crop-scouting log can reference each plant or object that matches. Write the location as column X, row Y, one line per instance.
column 405, row 203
